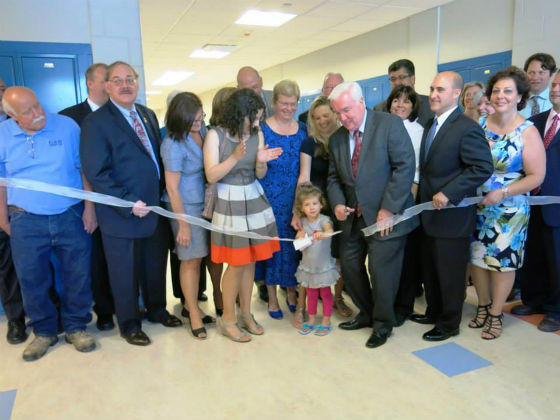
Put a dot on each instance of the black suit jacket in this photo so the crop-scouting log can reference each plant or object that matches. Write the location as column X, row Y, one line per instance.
column 425, row 114
column 116, row 163
column 458, row 162
column 385, row 171
column 77, row 112
column 551, row 184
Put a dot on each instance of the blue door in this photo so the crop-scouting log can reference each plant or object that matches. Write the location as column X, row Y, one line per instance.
column 479, row 68
column 375, row 89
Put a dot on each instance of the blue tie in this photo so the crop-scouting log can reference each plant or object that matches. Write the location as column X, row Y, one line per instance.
column 430, row 138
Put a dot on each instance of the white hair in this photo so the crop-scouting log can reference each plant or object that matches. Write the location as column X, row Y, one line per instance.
column 7, row 107
column 352, row 88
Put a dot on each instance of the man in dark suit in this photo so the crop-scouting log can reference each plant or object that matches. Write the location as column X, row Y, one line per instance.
column 104, row 306
column 371, row 171
column 330, row 81
column 401, row 72
column 120, row 157
column 540, row 275
column 454, row 160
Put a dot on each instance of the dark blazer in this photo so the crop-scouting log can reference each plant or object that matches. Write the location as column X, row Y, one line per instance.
column 425, row 114
column 551, row 184
column 77, row 112
column 385, row 171
column 458, row 162
column 116, row 163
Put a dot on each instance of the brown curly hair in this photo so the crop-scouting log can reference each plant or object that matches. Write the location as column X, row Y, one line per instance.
column 304, row 191
column 519, row 78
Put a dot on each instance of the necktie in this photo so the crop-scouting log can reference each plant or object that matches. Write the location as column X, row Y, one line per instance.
column 430, row 138
column 548, row 136
column 141, row 133
column 355, row 159
column 535, row 109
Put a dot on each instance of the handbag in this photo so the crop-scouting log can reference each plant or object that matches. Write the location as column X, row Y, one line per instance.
column 211, row 192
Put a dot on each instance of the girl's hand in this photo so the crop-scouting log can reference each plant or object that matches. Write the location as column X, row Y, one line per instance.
column 318, row 236
column 493, row 197
column 296, row 222
column 265, row 154
column 241, row 150
column 184, row 235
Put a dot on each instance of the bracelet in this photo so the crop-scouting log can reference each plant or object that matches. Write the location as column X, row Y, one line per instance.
column 505, row 191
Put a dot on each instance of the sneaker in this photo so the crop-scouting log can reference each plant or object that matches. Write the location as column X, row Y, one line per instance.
column 38, row 347
column 82, row 340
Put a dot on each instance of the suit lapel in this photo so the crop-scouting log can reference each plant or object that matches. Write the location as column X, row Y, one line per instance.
column 346, row 159
column 123, row 124
column 442, row 132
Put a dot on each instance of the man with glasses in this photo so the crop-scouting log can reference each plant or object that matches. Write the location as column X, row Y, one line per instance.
column 539, row 68
column 45, row 147
column 119, row 150
column 330, row 81
column 97, row 96
column 401, row 72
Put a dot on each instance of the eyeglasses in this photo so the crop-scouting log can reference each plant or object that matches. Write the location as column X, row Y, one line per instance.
column 201, row 118
column 400, row 77
column 31, row 144
column 117, row 81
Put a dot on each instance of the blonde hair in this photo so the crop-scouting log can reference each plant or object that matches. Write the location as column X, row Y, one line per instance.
column 304, row 191
column 466, row 87
column 285, row 88
column 312, row 129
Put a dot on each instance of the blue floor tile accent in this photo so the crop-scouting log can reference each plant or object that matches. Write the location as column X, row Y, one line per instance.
column 7, row 399
column 452, row 359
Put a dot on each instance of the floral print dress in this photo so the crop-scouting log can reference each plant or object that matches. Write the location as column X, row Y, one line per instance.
column 501, row 229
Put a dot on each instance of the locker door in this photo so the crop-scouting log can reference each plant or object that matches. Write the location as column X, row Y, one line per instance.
column 7, row 70
column 53, row 79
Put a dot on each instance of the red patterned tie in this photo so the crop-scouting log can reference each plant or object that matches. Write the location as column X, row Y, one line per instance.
column 141, row 133
column 549, row 135
column 355, row 159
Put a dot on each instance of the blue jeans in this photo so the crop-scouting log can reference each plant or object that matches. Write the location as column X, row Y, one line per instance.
column 33, row 239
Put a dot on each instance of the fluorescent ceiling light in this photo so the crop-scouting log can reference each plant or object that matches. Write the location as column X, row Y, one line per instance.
column 212, row 51
column 170, row 78
column 153, row 92
column 260, row 18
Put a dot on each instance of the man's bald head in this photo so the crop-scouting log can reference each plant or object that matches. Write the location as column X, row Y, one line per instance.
column 445, row 91
column 248, row 77
column 22, row 105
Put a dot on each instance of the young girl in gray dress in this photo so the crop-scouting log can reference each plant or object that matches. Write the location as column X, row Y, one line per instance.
column 317, row 270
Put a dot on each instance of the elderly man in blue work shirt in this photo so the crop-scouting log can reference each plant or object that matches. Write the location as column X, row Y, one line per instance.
column 45, row 147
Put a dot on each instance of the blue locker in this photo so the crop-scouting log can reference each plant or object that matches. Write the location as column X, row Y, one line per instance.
column 479, row 68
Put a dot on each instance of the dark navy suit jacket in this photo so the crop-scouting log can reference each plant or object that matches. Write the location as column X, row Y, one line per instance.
column 551, row 183
column 115, row 162
column 77, row 112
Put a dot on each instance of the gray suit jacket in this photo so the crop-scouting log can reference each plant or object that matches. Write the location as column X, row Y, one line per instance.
column 385, row 171
column 425, row 114
column 267, row 98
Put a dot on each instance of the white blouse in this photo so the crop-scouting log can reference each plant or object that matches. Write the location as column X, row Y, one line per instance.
column 415, row 131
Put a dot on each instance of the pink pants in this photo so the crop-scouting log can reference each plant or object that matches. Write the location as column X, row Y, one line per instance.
column 313, row 297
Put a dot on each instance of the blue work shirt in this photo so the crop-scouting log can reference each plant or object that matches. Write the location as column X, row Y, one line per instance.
column 128, row 118
column 50, row 155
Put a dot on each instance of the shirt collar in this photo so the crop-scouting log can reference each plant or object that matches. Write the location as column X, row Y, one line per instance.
column 16, row 130
column 362, row 126
column 94, row 107
column 441, row 119
column 124, row 111
column 543, row 95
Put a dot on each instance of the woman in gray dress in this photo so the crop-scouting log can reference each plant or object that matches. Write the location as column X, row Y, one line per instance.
column 181, row 152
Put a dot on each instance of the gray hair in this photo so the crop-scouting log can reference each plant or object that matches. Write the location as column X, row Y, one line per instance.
column 352, row 88
column 171, row 95
column 7, row 107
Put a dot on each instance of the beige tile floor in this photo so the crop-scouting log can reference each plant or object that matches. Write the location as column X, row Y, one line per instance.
column 283, row 375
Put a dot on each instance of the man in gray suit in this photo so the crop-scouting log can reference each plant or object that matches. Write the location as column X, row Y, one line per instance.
column 401, row 72
column 371, row 171
column 248, row 77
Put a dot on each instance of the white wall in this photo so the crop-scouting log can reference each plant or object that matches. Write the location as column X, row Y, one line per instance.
column 112, row 27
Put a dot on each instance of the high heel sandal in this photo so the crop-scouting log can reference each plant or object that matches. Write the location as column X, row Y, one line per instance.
column 239, row 338
column 197, row 333
column 479, row 320
column 244, row 322
column 206, row 319
column 493, row 326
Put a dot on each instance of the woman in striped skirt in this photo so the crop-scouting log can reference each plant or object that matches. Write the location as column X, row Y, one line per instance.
column 234, row 157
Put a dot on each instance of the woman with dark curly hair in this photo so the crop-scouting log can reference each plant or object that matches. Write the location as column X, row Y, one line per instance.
column 503, row 215
column 234, row 157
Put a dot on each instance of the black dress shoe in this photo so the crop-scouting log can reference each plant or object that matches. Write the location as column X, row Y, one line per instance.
column 105, row 322
column 526, row 310
column 422, row 319
column 354, row 324
column 377, row 339
column 435, row 334
column 138, row 338
column 263, row 292
column 16, row 332
column 202, row 297
column 171, row 321
column 400, row 319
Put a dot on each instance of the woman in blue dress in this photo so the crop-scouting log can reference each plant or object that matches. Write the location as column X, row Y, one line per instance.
column 279, row 184
column 503, row 215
